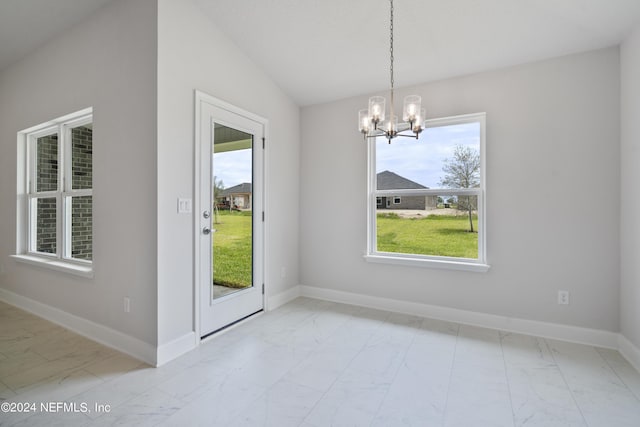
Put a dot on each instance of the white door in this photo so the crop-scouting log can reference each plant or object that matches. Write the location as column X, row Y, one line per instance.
column 230, row 235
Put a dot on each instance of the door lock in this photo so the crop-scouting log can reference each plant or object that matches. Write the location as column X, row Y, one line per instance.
column 206, row 214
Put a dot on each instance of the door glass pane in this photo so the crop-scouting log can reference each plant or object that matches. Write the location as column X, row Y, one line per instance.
column 46, row 225
column 81, row 157
column 232, row 219
column 82, row 227
column 47, row 163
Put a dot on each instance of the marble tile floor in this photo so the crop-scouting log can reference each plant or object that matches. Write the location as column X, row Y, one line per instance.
column 316, row 363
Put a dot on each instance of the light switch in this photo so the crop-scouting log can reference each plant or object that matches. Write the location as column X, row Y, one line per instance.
column 184, row 206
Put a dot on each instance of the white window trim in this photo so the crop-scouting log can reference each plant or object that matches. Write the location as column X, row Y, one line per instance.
column 55, row 264
column 399, row 202
column 415, row 260
column 26, row 179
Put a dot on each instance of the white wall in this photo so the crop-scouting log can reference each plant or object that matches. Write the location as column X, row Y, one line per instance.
column 553, row 174
column 107, row 62
column 630, row 177
column 553, row 163
column 193, row 54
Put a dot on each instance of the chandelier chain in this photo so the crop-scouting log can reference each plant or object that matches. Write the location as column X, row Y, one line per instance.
column 391, row 43
column 391, row 53
column 372, row 123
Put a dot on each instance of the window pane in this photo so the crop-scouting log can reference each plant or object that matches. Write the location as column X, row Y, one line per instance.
column 448, row 226
column 82, row 227
column 407, row 163
column 46, row 225
column 47, row 163
column 444, row 157
column 81, row 157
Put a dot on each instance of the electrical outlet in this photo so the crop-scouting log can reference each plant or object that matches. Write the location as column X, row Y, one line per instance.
column 127, row 305
column 563, row 297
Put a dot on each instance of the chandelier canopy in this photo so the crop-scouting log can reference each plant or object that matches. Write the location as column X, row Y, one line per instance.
column 372, row 123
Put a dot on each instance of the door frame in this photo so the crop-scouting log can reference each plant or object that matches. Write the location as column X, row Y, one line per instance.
column 201, row 98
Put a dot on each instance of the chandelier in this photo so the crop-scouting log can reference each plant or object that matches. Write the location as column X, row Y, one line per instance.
column 372, row 123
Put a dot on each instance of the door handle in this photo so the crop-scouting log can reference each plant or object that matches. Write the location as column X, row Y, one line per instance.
column 206, row 230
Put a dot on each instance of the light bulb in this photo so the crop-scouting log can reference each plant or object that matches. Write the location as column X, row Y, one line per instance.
column 376, row 108
column 411, row 107
column 364, row 121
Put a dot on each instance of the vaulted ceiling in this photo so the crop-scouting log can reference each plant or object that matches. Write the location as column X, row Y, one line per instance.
column 323, row 50
column 25, row 25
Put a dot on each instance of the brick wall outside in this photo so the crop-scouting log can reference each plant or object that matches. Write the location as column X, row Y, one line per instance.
column 82, row 227
column 46, row 225
column 81, row 157
column 81, row 207
column 46, row 180
column 47, row 152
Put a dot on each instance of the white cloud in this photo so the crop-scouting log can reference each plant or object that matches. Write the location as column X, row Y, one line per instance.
column 233, row 167
column 422, row 160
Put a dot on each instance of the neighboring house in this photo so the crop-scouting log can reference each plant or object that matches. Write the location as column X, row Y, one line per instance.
column 391, row 181
column 237, row 196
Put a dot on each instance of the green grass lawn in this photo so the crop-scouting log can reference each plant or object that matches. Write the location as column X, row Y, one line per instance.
column 443, row 235
column 433, row 235
column 232, row 257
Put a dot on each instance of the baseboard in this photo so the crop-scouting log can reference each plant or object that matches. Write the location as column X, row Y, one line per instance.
column 568, row 333
column 629, row 351
column 176, row 348
column 275, row 301
column 94, row 331
column 169, row 351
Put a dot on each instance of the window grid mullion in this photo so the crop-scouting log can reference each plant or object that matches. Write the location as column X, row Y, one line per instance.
column 61, row 241
column 60, row 226
column 33, row 187
column 32, row 225
column 430, row 192
column 372, row 202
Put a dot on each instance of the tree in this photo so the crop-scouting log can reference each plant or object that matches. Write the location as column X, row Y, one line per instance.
column 463, row 171
column 218, row 188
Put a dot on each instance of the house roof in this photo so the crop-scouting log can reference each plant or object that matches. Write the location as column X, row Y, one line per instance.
column 388, row 180
column 245, row 187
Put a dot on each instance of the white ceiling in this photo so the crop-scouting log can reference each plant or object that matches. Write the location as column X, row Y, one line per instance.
column 323, row 50
column 27, row 24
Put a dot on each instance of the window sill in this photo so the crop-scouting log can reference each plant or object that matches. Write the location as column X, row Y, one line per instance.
column 428, row 263
column 56, row 264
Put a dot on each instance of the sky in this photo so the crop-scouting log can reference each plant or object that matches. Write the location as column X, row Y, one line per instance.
column 232, row 167
column 421, row 161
